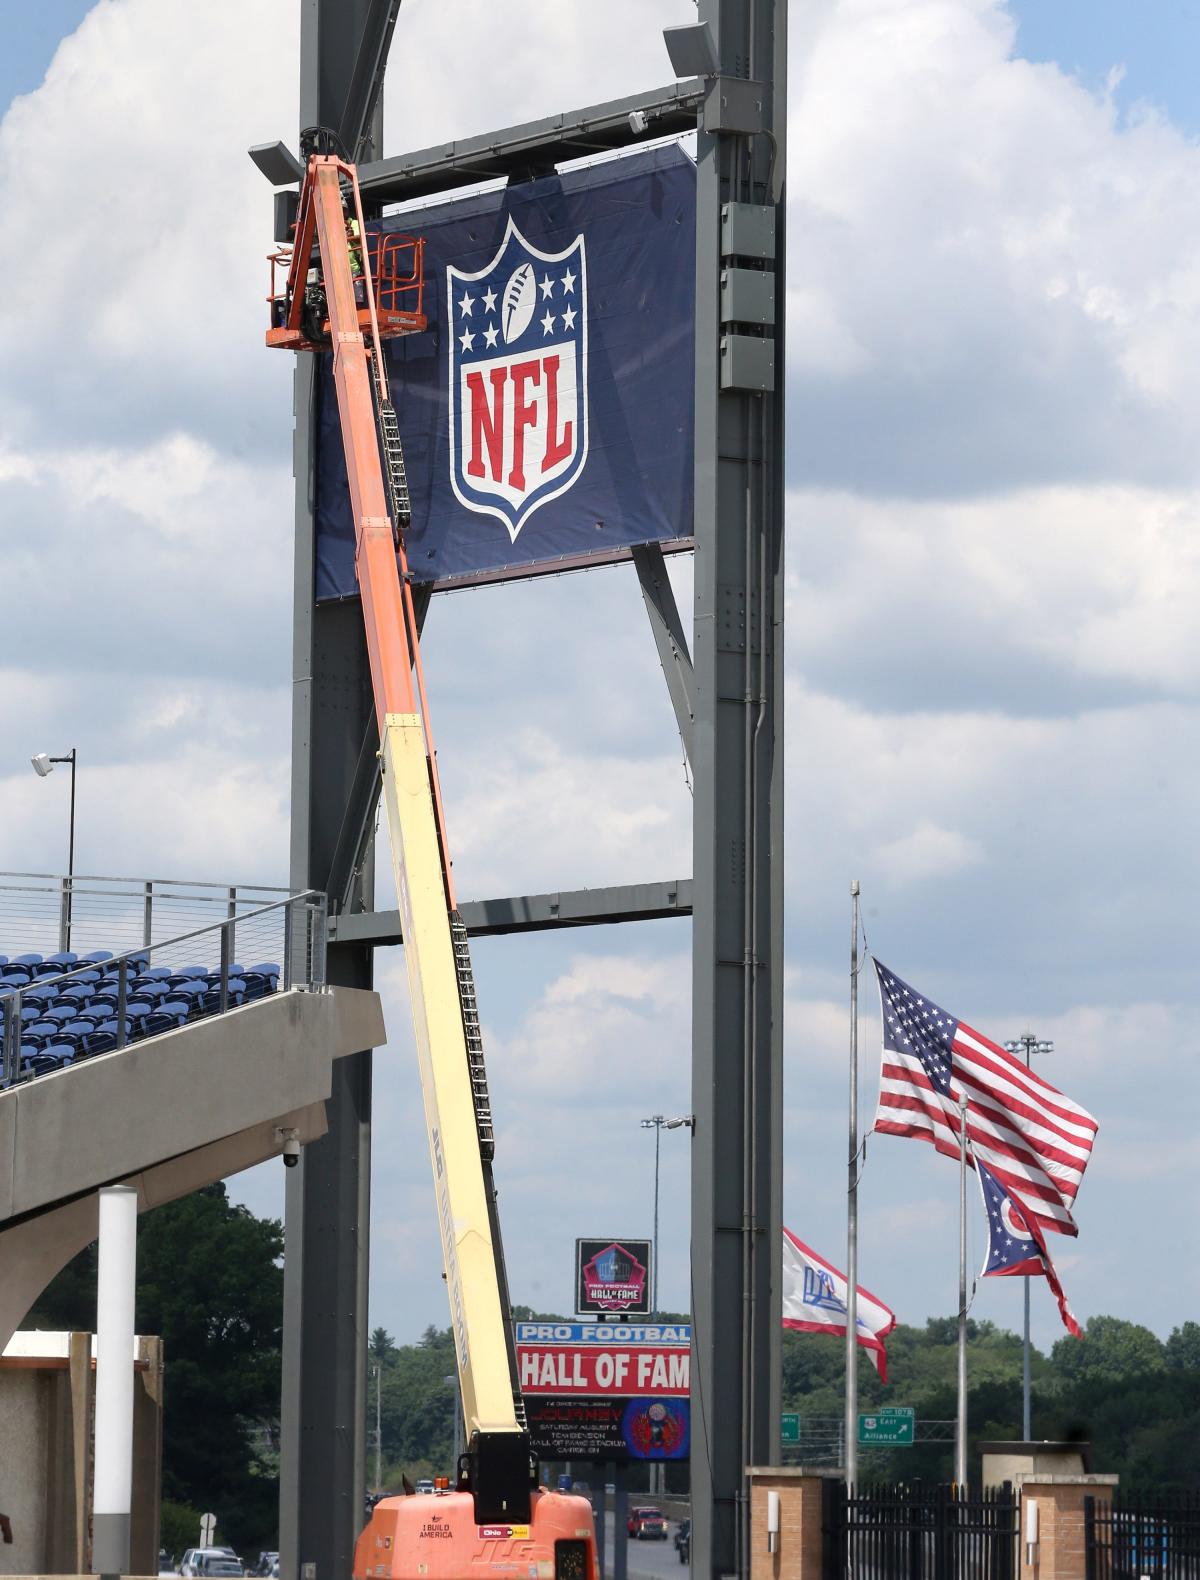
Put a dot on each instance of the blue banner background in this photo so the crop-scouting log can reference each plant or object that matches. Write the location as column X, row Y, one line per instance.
column 637, row 215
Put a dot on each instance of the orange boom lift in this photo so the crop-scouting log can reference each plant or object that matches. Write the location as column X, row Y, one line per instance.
column 346, row 292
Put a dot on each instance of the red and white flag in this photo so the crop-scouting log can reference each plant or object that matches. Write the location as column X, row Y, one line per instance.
column 814, row 1301
column 1035, row 1141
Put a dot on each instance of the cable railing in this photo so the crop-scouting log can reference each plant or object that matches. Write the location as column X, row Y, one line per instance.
column 62, row 1009
column 47, row 911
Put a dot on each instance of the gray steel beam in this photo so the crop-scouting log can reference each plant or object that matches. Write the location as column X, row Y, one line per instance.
column 351, row 862
column 534, row 147
column 737, row 928
column 357, row 130
column 533, row 913
column 673, row 655
column 322, row 1471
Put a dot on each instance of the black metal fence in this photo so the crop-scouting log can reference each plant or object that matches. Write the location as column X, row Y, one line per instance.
column 1157, row 1537
column 917, row 1531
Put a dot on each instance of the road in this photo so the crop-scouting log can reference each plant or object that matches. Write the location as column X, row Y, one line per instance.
column 647, row 1560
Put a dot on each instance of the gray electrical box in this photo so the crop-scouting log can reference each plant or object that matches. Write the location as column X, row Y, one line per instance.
column 747, row 363
column 733, row 104
column 747, row 230
column 747, row 297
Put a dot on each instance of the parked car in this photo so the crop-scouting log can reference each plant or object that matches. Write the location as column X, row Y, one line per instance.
column 647, row 1524
column 214, row 1561
column 683, row 1541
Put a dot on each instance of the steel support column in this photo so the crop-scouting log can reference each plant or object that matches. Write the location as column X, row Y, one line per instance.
column 738, row 833
column 322, row 1472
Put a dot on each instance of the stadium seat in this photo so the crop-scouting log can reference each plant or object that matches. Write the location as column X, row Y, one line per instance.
column 169, row 1014
column 99, row 956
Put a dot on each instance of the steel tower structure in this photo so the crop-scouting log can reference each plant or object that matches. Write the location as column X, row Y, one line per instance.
column 729, row 706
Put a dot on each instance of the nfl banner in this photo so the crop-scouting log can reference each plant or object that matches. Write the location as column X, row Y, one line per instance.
column 546, row 412
column 1015, row 1243
column 814, row 1301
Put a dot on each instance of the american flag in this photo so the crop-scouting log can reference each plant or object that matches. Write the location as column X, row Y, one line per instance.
column 1016, row 1244
column 1035, row 1141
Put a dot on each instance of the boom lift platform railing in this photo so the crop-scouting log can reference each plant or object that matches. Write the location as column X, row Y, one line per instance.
column 332, row 301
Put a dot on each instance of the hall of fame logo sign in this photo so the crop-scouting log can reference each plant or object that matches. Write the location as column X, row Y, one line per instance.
column 518, row 378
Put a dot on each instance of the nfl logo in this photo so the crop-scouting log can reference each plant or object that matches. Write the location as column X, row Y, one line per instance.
column 518, row 378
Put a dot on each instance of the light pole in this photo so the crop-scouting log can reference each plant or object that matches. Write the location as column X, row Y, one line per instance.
column 1027, row 1044
column 658, row 1123
column 378, row 1426
column 42, row 766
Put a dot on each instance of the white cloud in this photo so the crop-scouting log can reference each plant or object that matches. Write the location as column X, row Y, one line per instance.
column 927, row 852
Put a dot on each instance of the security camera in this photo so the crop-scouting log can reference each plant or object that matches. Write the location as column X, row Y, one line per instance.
column 637, row 122
column 41, row 764
column 289, row 1146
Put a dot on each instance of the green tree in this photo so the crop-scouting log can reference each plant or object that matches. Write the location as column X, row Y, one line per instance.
column 180, row 1528
column 381, row 1345
column 1112, row 1349
column 1183, row 1348
column 210, row 1281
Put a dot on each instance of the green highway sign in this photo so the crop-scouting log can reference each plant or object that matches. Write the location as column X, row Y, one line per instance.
column 893, row 1427
column 789, row 1428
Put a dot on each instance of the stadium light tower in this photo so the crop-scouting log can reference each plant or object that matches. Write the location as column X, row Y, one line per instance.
column 1028, row 1045
column 42, row 766
column 658, row 1123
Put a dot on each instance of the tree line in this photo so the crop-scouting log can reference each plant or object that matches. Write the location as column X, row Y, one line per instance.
column 210, row 1282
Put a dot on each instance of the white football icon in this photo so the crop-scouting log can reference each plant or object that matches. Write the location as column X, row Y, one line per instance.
column 520, row 299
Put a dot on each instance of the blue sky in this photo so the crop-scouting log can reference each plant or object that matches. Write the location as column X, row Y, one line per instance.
column 993, row 519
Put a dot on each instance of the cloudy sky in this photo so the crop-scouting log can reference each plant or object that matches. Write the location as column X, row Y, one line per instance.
column 993, row 517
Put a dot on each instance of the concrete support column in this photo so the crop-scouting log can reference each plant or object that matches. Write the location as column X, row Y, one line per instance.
column 117, row 1265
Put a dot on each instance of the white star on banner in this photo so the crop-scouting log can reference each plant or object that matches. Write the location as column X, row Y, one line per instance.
column 547, row 325
column 489, row 335
column 467, row 340
column 489, row 301
column 467, row 303
column 568, row 283
column 547, row 286
column 569, row 318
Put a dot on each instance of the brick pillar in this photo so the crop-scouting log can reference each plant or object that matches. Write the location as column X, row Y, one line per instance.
column 1061, row 1549
column 800, row 1550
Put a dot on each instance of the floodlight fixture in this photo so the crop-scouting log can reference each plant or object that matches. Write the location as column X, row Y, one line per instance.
column 43, row 766
column 277, row 162
column 692, row 50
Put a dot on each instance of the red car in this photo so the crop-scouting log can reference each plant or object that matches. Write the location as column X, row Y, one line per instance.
column 647, row 1524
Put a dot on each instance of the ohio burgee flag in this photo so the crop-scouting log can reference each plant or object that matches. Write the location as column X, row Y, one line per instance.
column 1016, row 1244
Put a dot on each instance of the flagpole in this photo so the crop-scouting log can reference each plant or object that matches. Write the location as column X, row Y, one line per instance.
column 851, row 1424
column 960, row 1439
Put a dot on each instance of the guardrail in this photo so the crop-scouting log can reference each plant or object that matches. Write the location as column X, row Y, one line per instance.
column 290, row 931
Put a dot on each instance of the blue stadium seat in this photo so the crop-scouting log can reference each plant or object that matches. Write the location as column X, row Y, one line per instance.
column 159, row 973
column 169, row 1014
column 100, row 1040
column 99, row 956
column 26, row 960
column 61, row 1012
column 40, row 1028
column 64, row 959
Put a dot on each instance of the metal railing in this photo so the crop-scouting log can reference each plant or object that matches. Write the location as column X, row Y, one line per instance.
column 1131, row 1537
column 47, row 911
column 289, row 933
column 911, row 1531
